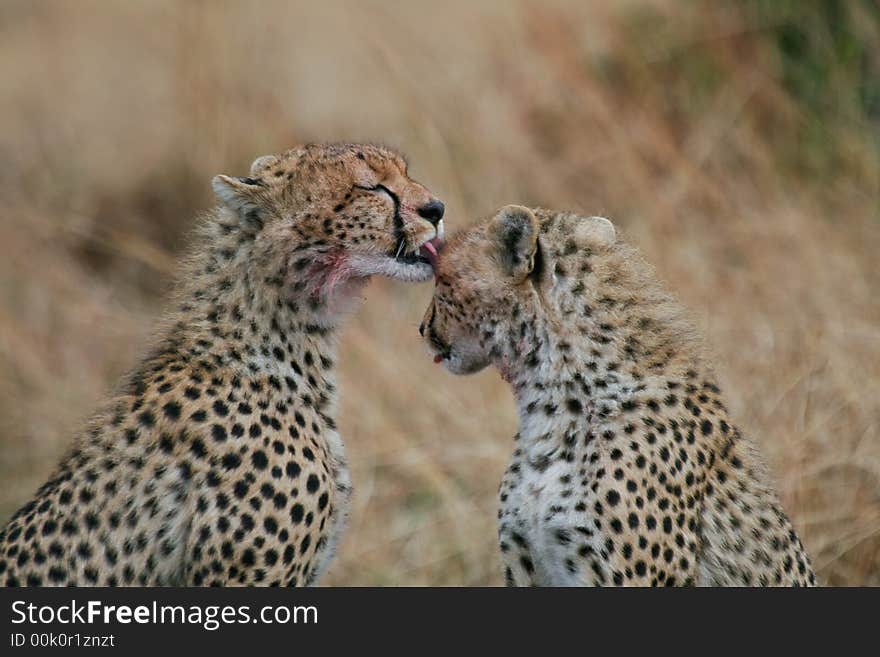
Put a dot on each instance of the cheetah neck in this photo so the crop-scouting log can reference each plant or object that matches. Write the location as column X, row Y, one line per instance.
column 571, row 372
column 241, row 306
column 560, row 389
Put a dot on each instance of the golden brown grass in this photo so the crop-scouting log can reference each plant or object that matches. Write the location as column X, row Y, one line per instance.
column 671, row 118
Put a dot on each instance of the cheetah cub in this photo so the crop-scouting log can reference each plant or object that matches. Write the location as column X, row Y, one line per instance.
column 218, row 460
column 626, row 468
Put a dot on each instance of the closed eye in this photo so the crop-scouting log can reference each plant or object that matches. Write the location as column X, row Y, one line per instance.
column 382, row 189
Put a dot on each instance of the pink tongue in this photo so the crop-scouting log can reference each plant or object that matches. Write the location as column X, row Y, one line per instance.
column 432, row 254
column 438, row 358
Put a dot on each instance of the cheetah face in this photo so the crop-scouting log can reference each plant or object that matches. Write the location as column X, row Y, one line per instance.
column 338, row 212
column 497, row 290
column 482, row 280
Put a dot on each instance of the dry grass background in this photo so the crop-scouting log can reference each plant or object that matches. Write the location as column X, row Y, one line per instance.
column 735, row 143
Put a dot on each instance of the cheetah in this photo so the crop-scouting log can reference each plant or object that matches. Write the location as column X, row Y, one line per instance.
column 218, row 461
column 627, row 469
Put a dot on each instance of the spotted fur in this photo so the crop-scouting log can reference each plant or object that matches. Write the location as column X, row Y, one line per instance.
column 218, row 460
column 627, row 469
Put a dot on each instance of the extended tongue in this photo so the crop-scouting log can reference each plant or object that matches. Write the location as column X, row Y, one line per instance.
column 432, row 254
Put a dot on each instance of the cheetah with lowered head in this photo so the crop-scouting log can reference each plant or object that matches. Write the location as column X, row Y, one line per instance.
column 218, row 460
column 627, row 469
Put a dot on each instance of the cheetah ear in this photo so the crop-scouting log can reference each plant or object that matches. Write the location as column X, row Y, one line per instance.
column 263, row 162
column 515, row 231
column 594, row 229
column 244, row 197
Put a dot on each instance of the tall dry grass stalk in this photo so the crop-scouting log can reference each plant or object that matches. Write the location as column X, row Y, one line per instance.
column 674, row 119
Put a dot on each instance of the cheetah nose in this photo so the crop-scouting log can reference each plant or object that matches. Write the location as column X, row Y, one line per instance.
column 422, row 329
column 432, row 211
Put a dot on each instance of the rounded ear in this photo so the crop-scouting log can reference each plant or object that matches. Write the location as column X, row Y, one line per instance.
column 243, row 196
column 262, row 162
column 594, row 230
column 515, row 232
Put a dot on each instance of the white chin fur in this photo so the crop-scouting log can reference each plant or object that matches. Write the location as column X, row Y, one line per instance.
column 462, row 364
column 382, row 265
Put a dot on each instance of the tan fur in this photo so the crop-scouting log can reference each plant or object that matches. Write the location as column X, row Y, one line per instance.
column 218, row 460
column 627, row 468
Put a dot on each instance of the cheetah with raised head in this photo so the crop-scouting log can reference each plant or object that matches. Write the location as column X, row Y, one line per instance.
column 627, row 469
column 218, row 460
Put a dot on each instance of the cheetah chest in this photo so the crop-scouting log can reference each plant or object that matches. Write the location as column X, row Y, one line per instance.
column 536, row 509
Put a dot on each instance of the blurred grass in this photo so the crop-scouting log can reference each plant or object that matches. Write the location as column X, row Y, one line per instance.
column 736, row 143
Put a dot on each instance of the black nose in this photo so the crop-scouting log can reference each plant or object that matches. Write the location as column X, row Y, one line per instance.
column 432, row 211
column 422, row 329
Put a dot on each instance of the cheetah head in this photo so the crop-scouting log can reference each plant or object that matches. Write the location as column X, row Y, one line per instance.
column 325, row 214
column 496, row 281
